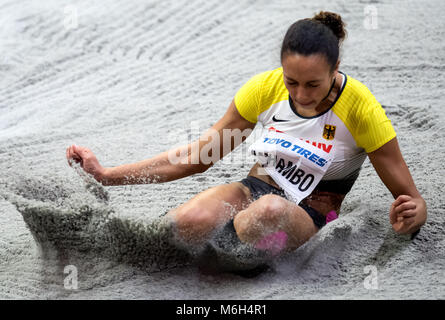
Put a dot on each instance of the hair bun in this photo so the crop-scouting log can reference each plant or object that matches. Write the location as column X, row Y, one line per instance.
column 334, row 22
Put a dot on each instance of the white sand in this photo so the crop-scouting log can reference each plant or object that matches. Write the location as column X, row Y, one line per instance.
column 131, row 78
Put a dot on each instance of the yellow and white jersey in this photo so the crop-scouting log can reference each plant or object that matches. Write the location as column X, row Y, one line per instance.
column 354, row 125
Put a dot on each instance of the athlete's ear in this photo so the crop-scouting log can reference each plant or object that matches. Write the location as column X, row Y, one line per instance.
column 337, row 65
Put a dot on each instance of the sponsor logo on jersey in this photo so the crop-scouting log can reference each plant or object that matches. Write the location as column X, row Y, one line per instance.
column 273, row 129
column 318, row 160
column 329, row 132
column 279, row 120
column 319, row 145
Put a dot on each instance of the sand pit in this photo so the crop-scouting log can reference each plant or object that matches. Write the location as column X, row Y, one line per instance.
column 131, row 79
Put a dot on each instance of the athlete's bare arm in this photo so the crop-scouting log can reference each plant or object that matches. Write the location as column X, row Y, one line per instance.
column 408, row 212
column 160, row 168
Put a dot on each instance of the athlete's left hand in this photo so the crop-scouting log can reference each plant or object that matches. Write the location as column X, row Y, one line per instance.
column 407, row 214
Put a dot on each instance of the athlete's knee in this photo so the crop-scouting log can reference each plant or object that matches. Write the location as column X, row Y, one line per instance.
column 265, row 215
column 271, row 209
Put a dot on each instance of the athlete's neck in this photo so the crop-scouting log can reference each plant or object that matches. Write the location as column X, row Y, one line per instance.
column 327, row 102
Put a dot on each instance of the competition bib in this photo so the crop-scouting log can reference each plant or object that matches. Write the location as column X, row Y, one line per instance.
column 296, row 166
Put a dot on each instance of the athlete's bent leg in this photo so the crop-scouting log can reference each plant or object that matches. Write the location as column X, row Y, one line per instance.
column 271, row 214
column 196, row 219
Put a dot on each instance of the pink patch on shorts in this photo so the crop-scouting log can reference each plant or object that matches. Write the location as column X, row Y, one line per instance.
column 331, row 216
column 274, row 242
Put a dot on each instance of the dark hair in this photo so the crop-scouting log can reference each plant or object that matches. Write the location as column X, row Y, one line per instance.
column 322, row 34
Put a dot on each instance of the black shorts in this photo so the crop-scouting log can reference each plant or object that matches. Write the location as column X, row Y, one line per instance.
column 259, row 188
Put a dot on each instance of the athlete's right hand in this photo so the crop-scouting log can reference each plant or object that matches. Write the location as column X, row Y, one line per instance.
column 87, row 159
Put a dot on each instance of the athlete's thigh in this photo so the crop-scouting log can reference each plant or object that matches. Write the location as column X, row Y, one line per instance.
column 222, row 201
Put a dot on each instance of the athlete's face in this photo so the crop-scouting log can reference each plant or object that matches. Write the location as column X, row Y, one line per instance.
column 307, row 78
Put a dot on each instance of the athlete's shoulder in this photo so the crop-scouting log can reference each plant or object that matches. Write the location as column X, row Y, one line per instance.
column 267, row 82
column 273, row 89
column 259, row 93
column 358, row 93
column 272, row 76
column 364, row 116
column 355, row 101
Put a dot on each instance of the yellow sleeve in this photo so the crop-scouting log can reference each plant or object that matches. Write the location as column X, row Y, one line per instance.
column 374, row 128
column 248, row 98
